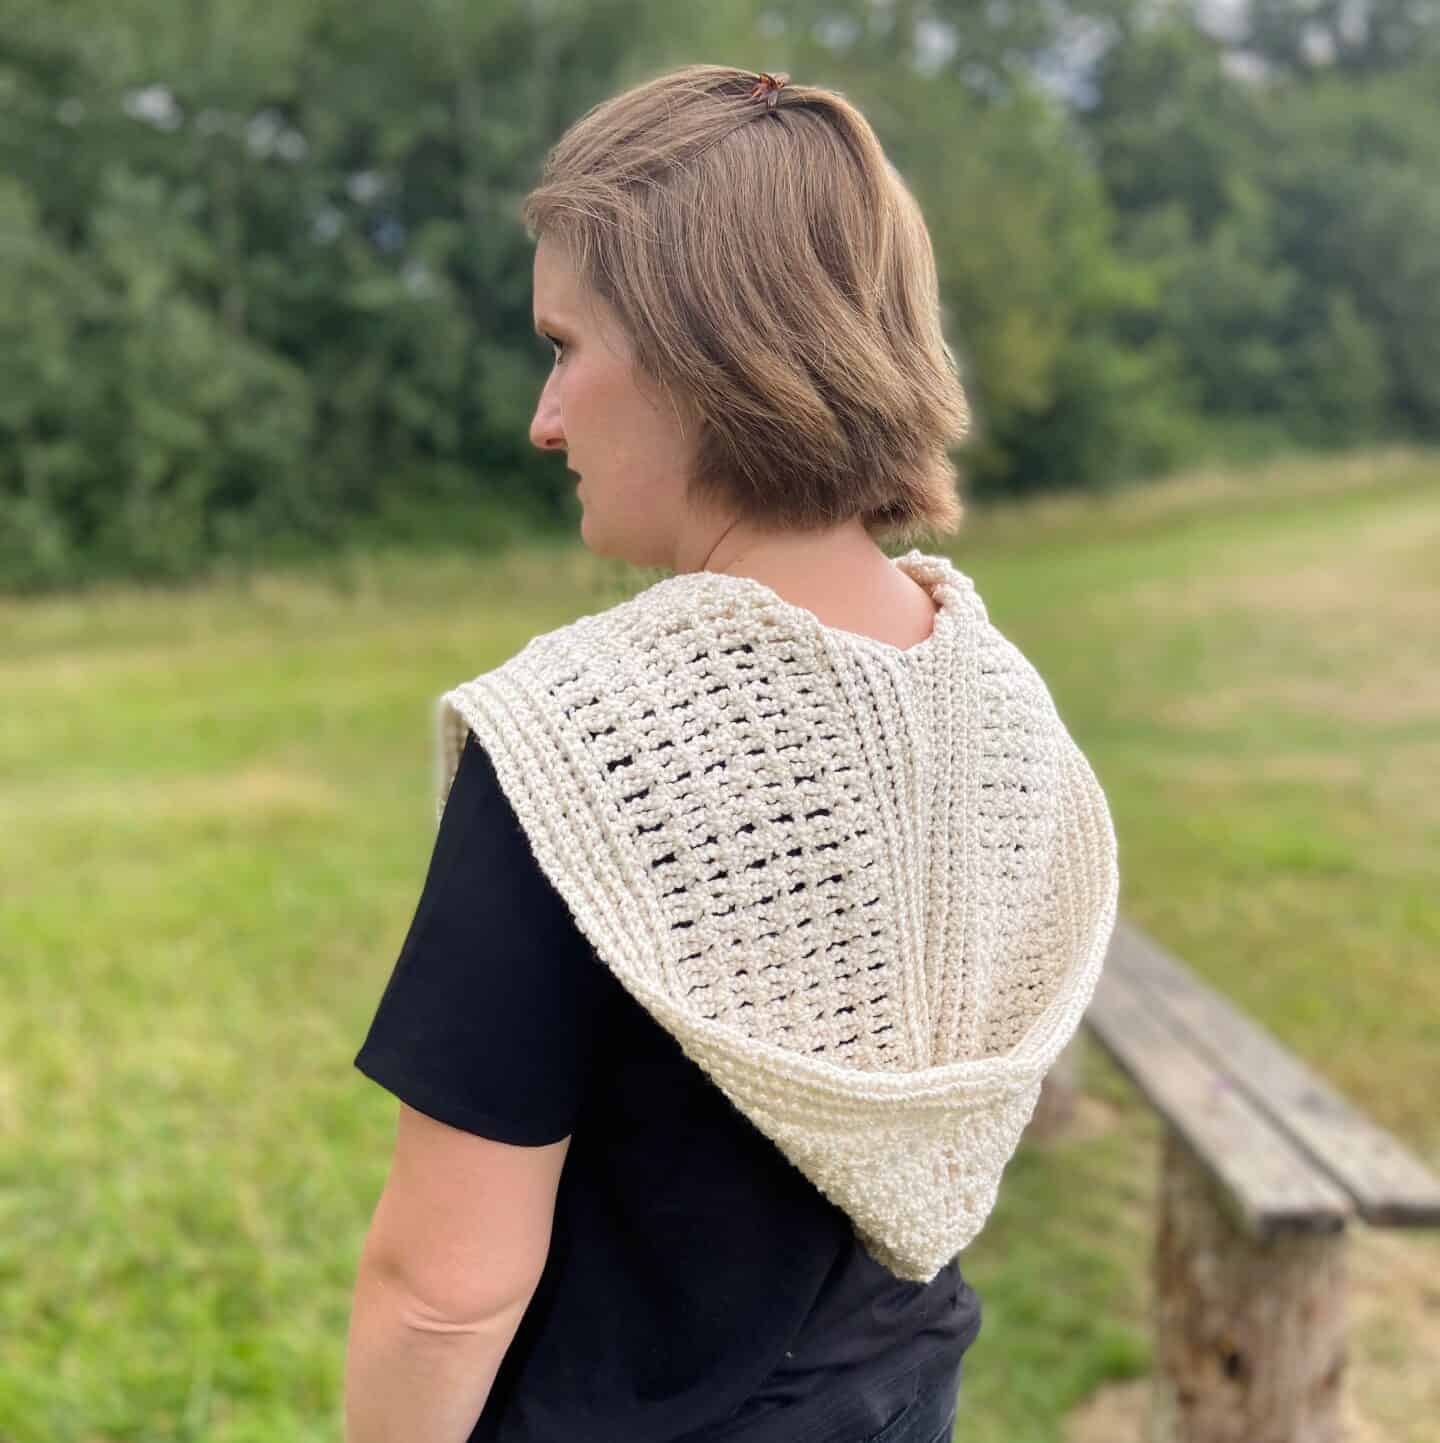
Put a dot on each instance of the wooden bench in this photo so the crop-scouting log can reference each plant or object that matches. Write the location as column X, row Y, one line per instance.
column 1264, row 1165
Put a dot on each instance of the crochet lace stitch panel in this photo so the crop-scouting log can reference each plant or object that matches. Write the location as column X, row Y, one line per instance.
column 729, row 772
column 1009, row 871
column 841, row 862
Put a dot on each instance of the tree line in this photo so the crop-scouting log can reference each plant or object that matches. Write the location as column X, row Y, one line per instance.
column 263, row 283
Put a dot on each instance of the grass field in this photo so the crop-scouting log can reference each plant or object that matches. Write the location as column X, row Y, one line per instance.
column 217, row 816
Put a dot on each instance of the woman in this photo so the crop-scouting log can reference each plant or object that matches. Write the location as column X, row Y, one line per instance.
column 762, row 901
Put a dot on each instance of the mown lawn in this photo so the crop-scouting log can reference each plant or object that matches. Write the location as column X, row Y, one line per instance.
column 217, row 815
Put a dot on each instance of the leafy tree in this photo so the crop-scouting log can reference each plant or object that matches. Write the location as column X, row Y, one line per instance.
column 264, row 278
column 1355, row 174
column 1352, row 37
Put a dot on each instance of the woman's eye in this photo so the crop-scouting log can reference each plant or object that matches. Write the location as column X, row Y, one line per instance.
column 558, row 345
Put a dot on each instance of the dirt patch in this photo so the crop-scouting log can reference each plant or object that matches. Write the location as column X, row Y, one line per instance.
column 1382, row 561
column 254, row 792
column 1199, row 491
column 1392, row 694
column 1381, row 571
column 1395, row 1336
column 1344, row 630
column 1116, row 1413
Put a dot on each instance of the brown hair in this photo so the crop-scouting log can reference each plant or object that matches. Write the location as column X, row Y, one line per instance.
column 774, row 275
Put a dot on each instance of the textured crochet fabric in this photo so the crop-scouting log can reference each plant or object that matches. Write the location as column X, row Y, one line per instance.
column 868, row 890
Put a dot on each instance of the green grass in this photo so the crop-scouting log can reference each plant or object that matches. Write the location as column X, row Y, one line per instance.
column 217, row 818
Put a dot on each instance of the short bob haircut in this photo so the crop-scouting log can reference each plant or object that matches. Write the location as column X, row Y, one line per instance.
column 775, row 277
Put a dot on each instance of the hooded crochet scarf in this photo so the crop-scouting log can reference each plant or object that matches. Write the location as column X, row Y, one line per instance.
column 868, row 889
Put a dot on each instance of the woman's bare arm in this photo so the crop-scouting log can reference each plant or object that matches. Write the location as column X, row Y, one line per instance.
column 453, row 1255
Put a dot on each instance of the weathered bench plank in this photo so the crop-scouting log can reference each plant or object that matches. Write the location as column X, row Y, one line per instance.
column 1262, row 1167
column 1389, row 1184
column 1271, row 1184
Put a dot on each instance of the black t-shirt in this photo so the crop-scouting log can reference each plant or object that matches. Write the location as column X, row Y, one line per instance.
column 698, row 1287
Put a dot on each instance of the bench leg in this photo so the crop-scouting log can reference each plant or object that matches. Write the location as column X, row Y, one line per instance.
column 1251, row 1340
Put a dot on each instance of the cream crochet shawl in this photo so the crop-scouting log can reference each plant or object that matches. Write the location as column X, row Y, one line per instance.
column 868, row 890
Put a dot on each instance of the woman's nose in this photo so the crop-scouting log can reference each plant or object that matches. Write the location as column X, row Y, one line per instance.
column 546, row 432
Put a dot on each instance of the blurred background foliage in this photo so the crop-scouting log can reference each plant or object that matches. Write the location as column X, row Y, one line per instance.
column 263, row 286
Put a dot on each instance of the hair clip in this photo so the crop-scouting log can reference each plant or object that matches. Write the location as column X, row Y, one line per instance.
column 769, row 87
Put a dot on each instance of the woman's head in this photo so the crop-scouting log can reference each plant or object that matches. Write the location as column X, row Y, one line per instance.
column 765, row 278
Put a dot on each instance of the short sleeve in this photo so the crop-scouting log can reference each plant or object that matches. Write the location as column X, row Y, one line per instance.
column 489, row 1021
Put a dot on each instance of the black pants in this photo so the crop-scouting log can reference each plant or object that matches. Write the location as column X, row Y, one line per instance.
column 929, row 1416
